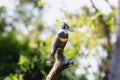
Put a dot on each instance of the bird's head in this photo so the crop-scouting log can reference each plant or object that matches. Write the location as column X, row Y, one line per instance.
column 66, row 27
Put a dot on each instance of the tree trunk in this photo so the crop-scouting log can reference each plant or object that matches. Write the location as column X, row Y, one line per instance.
column 115, row 62
column 61, row 63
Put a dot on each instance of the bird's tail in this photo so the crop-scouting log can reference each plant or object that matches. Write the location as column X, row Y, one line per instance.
column 49, row 60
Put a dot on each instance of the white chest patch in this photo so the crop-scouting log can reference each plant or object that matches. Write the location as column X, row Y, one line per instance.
column 63, row 39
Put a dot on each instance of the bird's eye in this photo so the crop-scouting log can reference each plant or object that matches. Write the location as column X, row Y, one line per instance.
column 66, row 27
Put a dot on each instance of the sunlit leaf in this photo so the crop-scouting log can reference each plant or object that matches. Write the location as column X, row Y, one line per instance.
column 40, row 4
column 20, row 77
column 23, row 60
column 73, row 23
column 112, row 28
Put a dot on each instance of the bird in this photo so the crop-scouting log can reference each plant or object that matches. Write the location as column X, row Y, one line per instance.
column 60, row 40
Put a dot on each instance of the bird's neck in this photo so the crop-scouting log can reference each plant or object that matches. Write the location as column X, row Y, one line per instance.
column 62, row 30
column 63, row 35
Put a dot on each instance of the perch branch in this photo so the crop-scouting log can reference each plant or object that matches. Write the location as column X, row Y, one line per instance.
column 61, row 63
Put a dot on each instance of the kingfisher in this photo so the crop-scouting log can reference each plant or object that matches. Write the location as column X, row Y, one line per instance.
column 60, row 40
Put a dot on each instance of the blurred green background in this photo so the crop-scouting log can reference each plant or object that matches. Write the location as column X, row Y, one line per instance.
column 27, row 30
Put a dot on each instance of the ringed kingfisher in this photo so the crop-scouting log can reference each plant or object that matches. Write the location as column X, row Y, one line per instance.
column 60, row 40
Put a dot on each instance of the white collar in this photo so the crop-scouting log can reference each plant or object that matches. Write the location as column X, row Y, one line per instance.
column 62, row 30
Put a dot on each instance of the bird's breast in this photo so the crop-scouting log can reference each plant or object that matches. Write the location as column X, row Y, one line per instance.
column 62, row 42
column 63, row 39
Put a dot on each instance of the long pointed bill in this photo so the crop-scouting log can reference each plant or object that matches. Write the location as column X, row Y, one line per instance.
column 70, row 30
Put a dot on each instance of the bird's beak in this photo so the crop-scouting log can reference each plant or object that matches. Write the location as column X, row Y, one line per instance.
column 71, row 30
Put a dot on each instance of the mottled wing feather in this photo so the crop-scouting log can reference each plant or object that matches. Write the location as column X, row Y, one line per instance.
column 55, row 45
column 53, row 50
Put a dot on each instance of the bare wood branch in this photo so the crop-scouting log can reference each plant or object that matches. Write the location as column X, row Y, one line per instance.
column 103, row 22
column 107, row 35
column 61, row 63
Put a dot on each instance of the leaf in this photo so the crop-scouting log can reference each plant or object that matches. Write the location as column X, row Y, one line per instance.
column 23, row 60
column 20, row 77
column 112, row 28
column 73, row 22
column 40, row 4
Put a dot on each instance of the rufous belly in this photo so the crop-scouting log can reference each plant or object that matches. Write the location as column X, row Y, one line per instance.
column 62, row 43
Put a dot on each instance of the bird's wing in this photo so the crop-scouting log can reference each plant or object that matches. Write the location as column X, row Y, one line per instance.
column 55, row 44
column 53, row 50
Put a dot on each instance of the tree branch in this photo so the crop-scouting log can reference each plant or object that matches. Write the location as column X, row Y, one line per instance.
column 103, row 22
column 107, row 35
column 61, row 63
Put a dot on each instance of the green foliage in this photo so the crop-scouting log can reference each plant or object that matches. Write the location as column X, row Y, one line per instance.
column 40, row 4
column 23, row 57
column 91, row 32
column 20, row 59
